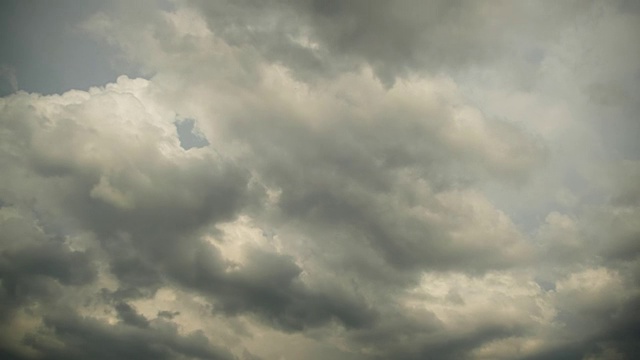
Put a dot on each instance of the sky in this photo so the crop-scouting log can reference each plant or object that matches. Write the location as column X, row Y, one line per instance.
column 358, row 180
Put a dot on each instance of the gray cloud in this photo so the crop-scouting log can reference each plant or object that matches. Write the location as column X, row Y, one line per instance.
column 361, row 180
column 396, row 39
column 86, row 337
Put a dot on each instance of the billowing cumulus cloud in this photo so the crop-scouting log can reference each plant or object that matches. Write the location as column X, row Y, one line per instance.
column 326, row 180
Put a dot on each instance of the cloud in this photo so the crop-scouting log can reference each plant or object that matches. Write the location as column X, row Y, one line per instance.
column 86, row 337
column 328, row 37
column 362, row 180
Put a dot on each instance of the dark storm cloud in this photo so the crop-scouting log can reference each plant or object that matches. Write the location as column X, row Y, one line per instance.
column 139, row 225
column 268, row 286
column 420, row 335
column 129, row 316
column 168, row 314
column 359, row 181
column 369, row 179
column 611, row 333
column 396, row 38
column 30, row 253
column 88, row 338
column 50, row 259
column 35, row 267
column 148, row 218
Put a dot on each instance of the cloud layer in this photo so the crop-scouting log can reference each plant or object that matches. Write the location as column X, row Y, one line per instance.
column 329, row 180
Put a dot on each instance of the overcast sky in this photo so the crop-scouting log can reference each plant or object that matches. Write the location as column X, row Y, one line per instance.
column 319, row 179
